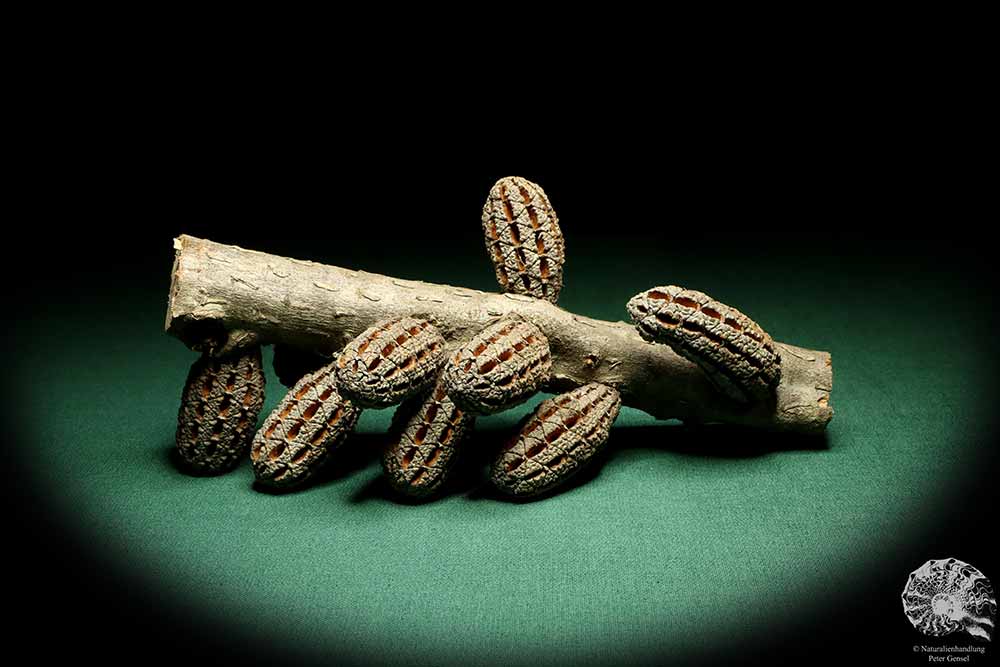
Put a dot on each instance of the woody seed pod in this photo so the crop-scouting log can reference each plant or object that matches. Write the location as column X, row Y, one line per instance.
column 298, row 436
column 389, row 362
column 523, row 239
column 563, row 435
column 502, row 366
column 737, row 355
column 426, row 433
column 219, row 408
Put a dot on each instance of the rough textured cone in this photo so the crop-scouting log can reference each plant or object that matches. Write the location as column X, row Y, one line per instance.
column 523, row 239
column 563, row 435
column 737, row 355
column 306, row 426
column 425, row 437
column 390, row 361
column 502, row 366
column 219, row 408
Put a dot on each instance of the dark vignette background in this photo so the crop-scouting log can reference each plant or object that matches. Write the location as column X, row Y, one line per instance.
column 880, row 200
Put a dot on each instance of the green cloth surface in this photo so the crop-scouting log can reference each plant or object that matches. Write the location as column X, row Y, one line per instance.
column 680, row 536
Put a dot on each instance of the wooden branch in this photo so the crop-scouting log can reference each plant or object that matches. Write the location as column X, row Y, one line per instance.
column 223, row 297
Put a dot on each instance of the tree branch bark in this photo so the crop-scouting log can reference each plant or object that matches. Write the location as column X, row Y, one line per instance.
column 224, row 297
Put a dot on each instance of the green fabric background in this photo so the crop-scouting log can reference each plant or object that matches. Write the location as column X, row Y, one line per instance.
column 680, row 539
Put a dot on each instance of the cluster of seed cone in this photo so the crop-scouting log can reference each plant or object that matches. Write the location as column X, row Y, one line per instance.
column 441, row 390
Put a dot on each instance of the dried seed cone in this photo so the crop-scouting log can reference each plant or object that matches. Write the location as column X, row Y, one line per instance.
column 563, row 435
column 737, row 355
column 291, row 363
column 299, row 435
column 219, row 408
column 426, row 434
column 502, row 366
column 523, row 239
column 389, row 362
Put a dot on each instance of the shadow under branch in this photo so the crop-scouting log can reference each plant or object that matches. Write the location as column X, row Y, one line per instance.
column 361, row 450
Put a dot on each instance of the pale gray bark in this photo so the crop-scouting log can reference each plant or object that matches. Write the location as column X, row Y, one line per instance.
column 225, row 297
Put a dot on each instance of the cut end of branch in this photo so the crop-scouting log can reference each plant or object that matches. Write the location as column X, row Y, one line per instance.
column 803, row 397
